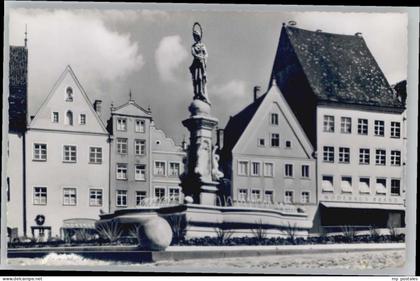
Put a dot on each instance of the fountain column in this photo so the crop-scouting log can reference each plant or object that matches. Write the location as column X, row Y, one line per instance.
column 201, row 177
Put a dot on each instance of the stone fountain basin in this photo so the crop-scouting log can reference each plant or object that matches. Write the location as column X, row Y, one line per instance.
column 203, row 220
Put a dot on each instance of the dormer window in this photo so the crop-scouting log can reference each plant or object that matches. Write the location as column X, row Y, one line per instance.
column 82, row 119
column 55, row 117
column 69, row 94
column 69, row 118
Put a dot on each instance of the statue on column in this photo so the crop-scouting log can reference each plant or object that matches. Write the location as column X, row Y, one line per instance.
column 198, row 66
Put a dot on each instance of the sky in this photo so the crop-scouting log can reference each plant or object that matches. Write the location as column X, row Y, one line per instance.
column 147, row 51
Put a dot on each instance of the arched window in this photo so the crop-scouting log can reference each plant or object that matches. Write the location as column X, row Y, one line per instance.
column 69, row 118
column 69, row 94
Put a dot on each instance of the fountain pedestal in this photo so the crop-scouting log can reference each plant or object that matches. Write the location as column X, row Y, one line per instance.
column 200, row 180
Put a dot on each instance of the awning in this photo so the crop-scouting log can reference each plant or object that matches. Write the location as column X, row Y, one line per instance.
column 346, row 186
column 349, row 205
column 327, row 185
column 79, row 223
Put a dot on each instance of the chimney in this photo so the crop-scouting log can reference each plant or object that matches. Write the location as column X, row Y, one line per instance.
column 97, row 105
column 256, row 92
column 220, row 137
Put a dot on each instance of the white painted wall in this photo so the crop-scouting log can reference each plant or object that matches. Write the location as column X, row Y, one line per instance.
column 355, row 141
column 55, row 175
column 15, row 175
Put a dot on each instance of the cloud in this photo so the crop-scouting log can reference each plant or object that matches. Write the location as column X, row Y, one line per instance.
column 168, row 57
column 57, row 38
column 233, row 89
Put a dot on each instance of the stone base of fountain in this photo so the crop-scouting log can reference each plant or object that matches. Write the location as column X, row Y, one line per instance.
column 207, row 220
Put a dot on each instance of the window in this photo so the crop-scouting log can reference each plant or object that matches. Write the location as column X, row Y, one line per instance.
column 55, row 117
column 288, row 144
column 242, row 195
column 140, row 196
column 380, row 157
column 274, row 119
column 121, row 198
column 69, row 94
column 140, row 126
column 160, row 169
column 255, row 195
column 243, row 168
column 69, row 118
column 140, row 172
column 395, row 187
column 379, row 128
column 328, row 154
column 364, row 156
column 329, row 123
column 255, row 168
column 121, row 124
column 327, row 183
column 40, row 152
column 95, row 155
column 305, row 198
column 288, row 170
column 40, row 196
column 173, row 193
column 82, row 119
column 344, row 155
column 268, row 169
column 268, row 196
column 69, row 196
column 288, row 197
column 364, row 185
column 345, row 125
column 346, row 184
column 122, row 146
column 275, row 140
column 381, row 186
column 159, row 192
column 95, row 197
column 174, row 169
column 362, row 127
column 140, row 147
column 121, row 171
column 395, row 129
column 70, row 153
column 395, row 157
column 305, row 171
column 261, row 142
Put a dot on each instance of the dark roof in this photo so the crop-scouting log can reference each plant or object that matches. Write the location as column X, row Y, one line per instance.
column 340, row 68
column 401, row 90
column 18, row 74
column 238, row 123
column 18, row 66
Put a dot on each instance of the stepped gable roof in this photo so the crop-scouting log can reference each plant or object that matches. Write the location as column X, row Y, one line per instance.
column 340, row 68
column 238, row 123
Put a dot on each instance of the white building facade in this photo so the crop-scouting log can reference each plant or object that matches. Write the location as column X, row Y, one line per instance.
column 145, row 163
column 361, row 161
column 67, row 163
column 271, row 161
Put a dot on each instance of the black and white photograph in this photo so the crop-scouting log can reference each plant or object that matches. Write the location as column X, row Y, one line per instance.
column 209, row 138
